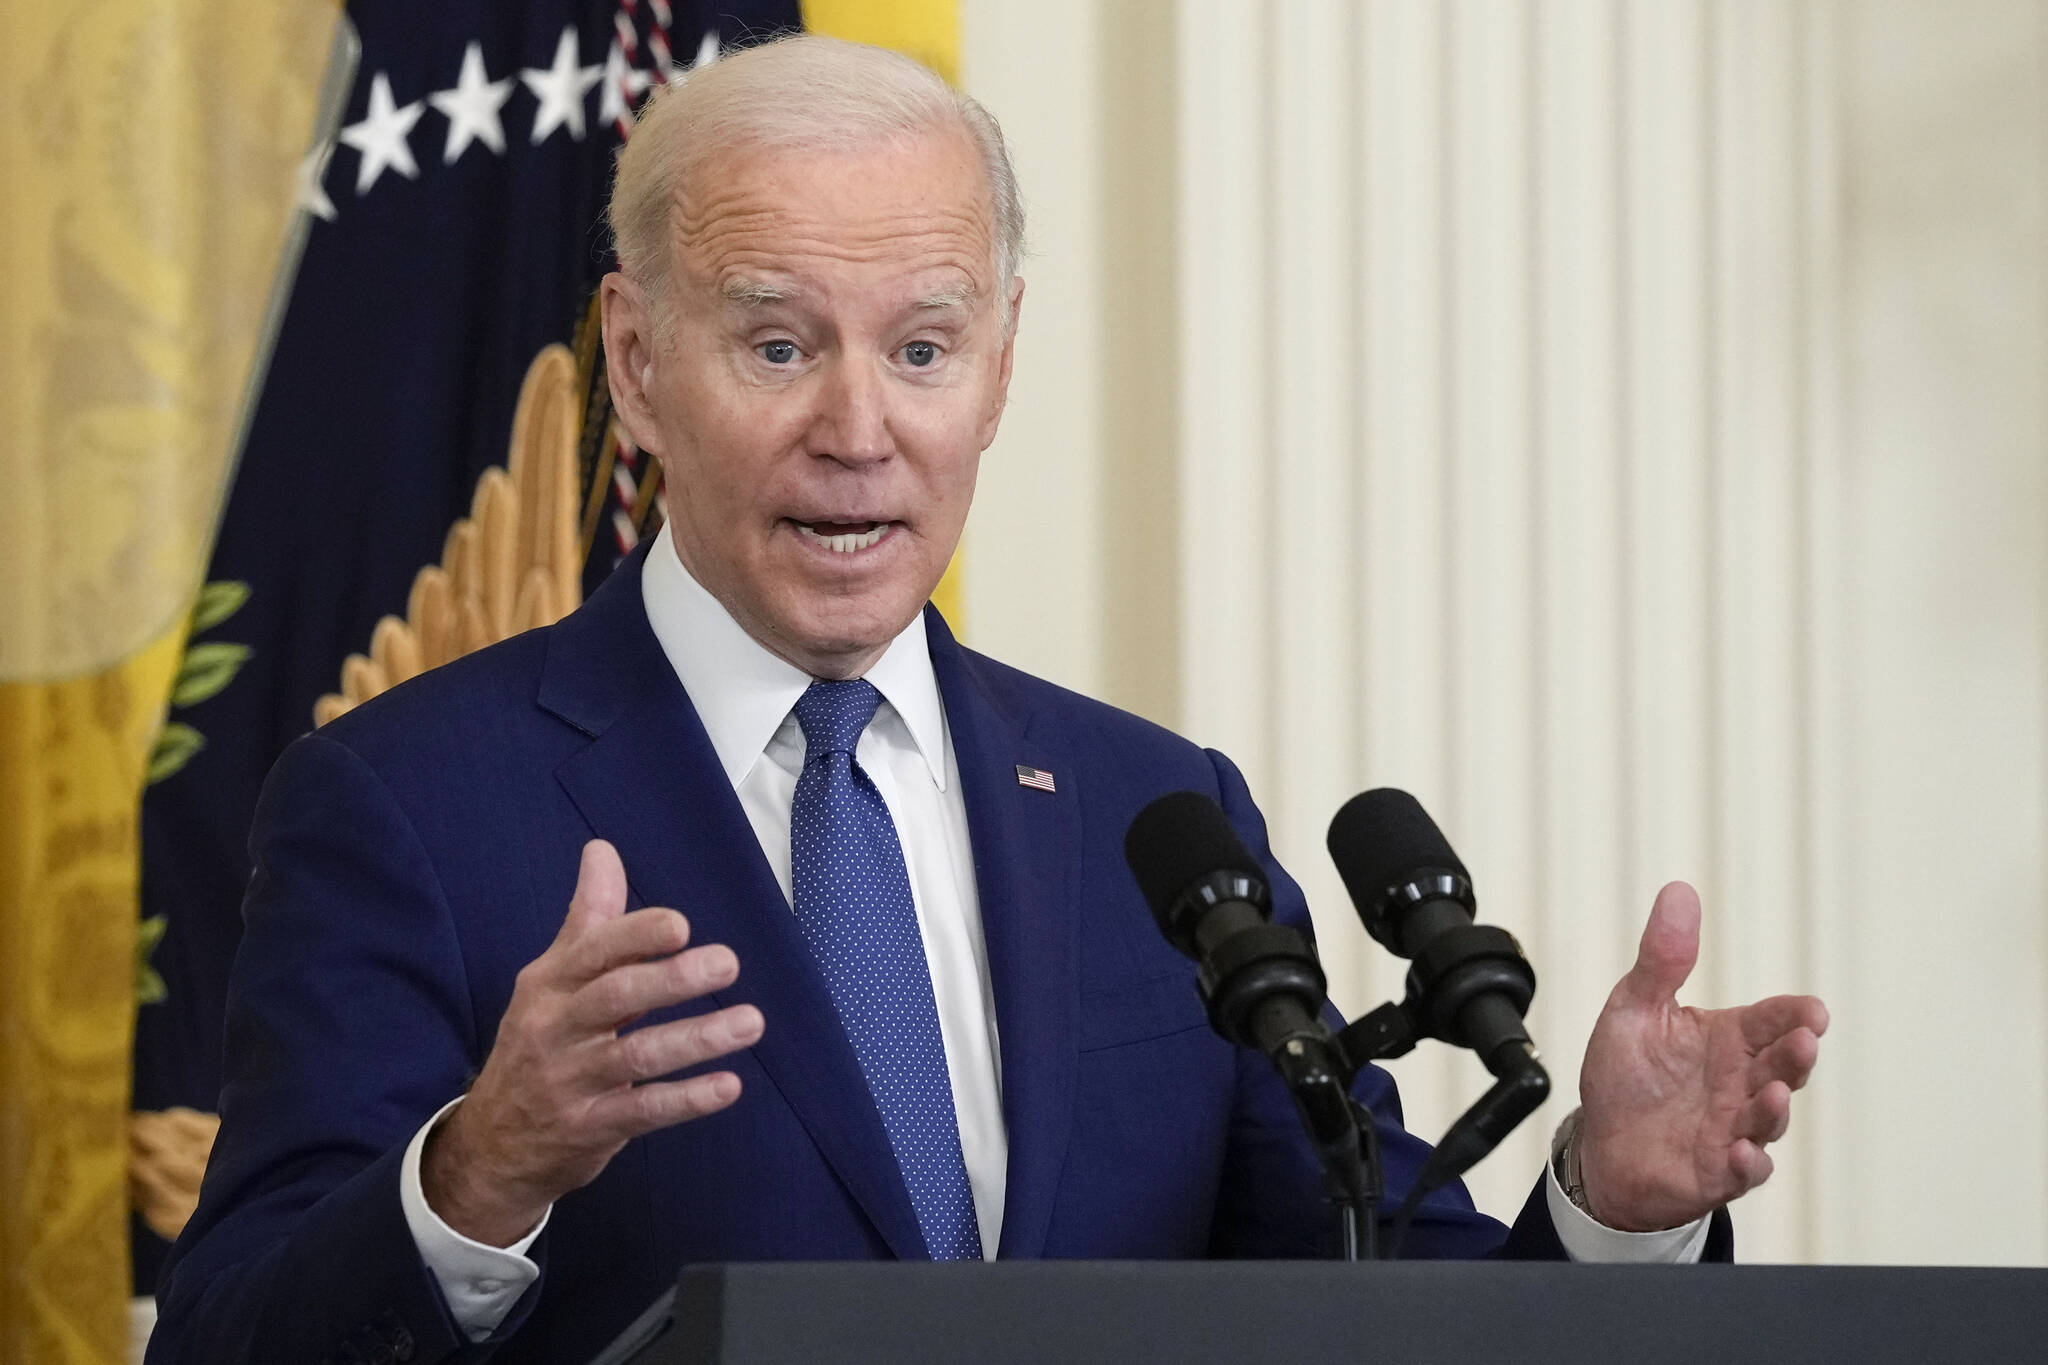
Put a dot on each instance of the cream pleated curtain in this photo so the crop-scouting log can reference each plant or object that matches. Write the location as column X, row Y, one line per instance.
column 1620, row 422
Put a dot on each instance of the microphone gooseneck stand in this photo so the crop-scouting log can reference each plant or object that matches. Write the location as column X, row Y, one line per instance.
column 1342, row 1128
column 1469, row 984
column 1478, row 969
column 1264, row 989
column 1521, row 1085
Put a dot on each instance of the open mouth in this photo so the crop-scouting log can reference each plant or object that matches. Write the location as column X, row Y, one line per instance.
column 844, row 537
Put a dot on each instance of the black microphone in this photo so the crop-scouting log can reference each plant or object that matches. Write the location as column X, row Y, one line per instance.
column 1470, row 984
column 1261, row 981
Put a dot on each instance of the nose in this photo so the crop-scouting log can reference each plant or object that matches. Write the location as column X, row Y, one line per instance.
column 853, row 421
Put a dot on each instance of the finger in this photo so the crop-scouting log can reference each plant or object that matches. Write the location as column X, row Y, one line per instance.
column 600, row 890
column 651, row 933
column 1669, row 948
column 1750, row 1164
column 1769, row 1020
column 624, row 993
column 644, row 1054
column 1790, row 1059
column 644, row 1108
column 1765, row 1118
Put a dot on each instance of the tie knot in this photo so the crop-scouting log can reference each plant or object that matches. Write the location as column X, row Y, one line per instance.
column 833, row 714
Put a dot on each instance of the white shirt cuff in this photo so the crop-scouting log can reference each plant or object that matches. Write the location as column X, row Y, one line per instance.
column 479, row 1282
column 1587, row 1239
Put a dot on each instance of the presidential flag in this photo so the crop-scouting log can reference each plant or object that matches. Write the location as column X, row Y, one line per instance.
column 455, row 236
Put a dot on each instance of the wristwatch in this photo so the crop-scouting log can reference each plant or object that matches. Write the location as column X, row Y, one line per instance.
column 1566, row 1165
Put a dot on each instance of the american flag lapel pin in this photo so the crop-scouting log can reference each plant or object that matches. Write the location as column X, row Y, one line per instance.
column 1037, row 778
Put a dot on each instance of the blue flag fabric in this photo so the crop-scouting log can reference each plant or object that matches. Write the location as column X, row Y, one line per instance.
column 457, row 228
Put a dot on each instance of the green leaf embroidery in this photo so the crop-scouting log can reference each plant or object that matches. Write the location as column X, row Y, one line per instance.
column 206, row 670
column 174, row 749
column 217, row 602
column 149, row 983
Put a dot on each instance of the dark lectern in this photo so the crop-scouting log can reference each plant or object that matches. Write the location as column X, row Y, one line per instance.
column 1297, row 1313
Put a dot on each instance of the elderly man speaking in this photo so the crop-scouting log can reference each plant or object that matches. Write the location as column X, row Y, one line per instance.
column 851, row 965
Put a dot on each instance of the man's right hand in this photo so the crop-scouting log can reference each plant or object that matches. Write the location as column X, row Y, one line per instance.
column 562, row 1090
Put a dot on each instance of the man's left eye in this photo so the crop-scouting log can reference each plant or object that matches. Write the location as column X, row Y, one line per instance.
column 920, row 353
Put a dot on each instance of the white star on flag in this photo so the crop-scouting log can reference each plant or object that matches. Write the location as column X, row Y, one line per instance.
column 471, row 108
column 380, row 137
column 622, row 85
column 312, row 194
column 560, row 89
column 707, row 53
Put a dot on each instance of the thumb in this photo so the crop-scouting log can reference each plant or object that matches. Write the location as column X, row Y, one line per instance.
column 1670, row 946
column 600, row 888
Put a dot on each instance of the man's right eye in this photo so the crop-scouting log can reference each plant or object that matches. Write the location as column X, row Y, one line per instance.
column 777, row 352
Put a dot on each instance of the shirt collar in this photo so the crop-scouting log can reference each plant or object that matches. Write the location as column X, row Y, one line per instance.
column 743, row 692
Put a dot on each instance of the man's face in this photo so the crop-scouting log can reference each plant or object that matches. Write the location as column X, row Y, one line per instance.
column 832, row 370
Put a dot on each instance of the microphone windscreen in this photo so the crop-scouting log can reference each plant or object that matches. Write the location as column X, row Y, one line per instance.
column 1381, row 836
column 1178, row 840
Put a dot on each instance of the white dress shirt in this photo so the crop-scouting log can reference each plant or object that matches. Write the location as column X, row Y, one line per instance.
column 745, row 697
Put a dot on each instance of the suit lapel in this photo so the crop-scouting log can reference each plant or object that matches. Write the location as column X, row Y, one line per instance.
column 650, row 782
column 1026, row 844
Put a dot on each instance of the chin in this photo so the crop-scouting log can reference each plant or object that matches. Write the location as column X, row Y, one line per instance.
column 838, row 629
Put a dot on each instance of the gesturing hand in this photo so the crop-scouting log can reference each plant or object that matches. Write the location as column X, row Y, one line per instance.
column 558, row 1096
column 1679, row 1103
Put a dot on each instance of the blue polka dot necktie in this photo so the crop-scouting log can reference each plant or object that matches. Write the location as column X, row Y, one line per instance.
column 852, row 895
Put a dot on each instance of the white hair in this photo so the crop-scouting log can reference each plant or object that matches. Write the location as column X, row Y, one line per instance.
column 800, row 92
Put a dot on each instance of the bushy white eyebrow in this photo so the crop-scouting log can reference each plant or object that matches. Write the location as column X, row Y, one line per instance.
column 757, row 293
column 955, row 296
column 752, row 293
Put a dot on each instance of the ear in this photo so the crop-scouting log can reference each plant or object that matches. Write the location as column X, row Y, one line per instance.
column 629, row 355
column 1001, row 397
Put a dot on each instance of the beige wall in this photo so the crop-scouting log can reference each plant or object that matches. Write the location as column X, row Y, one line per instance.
column 1622, row 424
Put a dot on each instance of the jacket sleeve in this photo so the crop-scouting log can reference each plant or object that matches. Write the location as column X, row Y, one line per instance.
column 349, row 1023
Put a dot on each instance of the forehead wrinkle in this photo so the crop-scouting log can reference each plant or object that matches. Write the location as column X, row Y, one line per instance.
column 792, row 219
column 855, row 244
column 763, row 233
column 691, row 206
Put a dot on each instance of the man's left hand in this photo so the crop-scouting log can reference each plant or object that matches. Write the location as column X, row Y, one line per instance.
column 1680, row 1103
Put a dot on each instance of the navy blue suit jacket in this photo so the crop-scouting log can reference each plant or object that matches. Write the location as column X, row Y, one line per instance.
column 412, row 856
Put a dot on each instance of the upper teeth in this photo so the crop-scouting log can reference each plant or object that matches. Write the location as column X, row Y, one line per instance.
column 846, row 544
